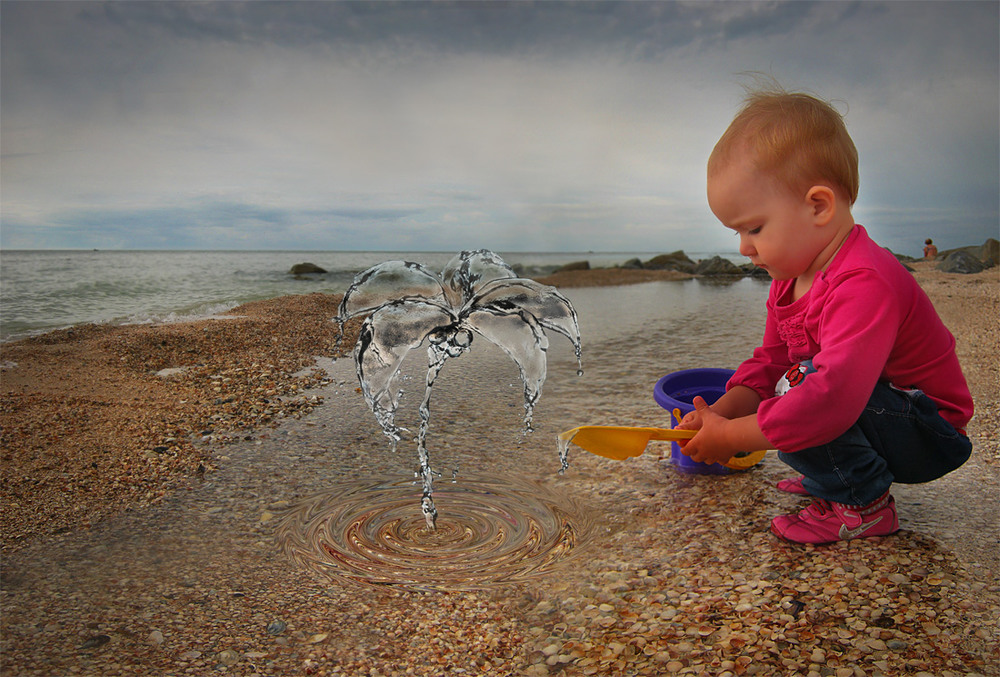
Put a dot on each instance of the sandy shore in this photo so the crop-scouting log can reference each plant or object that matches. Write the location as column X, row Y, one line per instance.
column 98, row 419
column 103, row 423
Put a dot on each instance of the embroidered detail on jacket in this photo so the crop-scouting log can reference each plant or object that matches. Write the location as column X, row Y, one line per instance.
column 792, row 330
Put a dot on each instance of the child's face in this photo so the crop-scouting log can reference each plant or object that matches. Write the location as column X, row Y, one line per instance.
column 776, row 226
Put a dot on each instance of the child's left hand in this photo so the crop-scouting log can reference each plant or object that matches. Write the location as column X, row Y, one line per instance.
column 710, row 445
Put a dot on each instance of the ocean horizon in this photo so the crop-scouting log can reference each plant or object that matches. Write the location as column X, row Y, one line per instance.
column 47, row 289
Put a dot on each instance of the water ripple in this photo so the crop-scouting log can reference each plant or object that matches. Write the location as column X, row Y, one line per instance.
column 490, row 532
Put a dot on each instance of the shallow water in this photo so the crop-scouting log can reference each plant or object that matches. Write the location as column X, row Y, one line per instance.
column 489, row 531
column 45, row 290
column 226, row 563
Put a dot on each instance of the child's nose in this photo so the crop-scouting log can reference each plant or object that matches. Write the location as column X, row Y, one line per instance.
column 746, row 247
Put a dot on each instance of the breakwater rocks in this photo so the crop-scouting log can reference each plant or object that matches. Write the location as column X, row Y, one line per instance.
column 970, row 260
column 679, row 262
column 965, row 260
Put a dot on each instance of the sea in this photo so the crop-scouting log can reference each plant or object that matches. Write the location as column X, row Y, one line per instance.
column 41, row 291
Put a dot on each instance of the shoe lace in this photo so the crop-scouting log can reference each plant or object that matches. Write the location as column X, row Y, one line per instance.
column 819, row 508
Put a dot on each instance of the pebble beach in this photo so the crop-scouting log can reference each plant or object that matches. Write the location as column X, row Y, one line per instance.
column 145, row 470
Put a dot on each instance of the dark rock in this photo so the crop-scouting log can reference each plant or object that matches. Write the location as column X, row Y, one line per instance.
column 754, row 271
column 717, row 266
column 677, row 260
column 961, row 261
column 306, row 269
column 576, row 265
column 633, row 264
column 988, row 252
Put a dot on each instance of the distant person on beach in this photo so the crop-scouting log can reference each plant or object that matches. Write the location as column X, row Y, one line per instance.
column 930, row 249
column 856, row 382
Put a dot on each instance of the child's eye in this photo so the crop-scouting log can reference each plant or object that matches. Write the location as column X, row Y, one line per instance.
column 754, row 231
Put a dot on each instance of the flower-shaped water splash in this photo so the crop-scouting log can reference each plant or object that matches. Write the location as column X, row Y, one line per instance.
column 476, row 293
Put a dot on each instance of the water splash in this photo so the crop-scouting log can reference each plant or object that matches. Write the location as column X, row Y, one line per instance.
column 494, row 532
column 476, row 293
column 563, row 447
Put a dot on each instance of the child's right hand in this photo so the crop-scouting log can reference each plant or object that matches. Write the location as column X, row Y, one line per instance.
column 719, row 438
column 691, row 421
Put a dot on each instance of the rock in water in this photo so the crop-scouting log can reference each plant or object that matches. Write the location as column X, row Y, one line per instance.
column 717, row 266
column 306, row 269
column 677, row 260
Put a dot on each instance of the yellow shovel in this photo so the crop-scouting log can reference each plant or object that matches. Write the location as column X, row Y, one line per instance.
column 621, row 442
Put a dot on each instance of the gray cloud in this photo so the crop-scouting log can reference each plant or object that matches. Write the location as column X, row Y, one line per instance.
column 443, row 125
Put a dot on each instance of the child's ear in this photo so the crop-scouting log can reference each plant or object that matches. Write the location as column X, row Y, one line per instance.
column 823, row 203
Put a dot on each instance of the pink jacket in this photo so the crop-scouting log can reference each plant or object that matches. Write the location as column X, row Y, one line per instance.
column 865, row 319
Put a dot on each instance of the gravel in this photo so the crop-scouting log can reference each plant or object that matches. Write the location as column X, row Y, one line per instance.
column 139, row 509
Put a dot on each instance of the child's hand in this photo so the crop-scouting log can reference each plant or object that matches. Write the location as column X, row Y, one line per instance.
column 691, row 421
column 710, row 444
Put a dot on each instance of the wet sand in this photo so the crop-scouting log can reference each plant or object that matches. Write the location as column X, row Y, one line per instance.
column 140, row 511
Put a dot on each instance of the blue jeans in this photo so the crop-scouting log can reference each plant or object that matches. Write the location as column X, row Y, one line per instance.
column 900, row 437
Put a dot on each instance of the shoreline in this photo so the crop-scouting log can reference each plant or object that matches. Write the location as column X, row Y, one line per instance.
column 97, row 419
column 676, row 573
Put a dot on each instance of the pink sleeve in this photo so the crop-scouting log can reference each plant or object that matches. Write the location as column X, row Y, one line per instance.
column 856, row 328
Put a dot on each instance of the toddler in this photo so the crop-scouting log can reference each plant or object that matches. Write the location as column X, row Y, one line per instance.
column 856, row 382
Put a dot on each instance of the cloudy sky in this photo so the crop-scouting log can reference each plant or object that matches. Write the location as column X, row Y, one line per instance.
column 513, row 126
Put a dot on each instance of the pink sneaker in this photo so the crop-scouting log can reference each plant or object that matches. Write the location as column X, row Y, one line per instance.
column 826, row 522
column 793, row 485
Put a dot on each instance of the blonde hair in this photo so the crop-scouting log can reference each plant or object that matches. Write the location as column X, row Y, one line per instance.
column 802, row 140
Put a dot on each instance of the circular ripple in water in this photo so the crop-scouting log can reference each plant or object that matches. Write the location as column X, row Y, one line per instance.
column 489, row 532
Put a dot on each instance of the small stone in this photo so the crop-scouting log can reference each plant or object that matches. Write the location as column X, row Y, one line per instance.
column 155, row 637
column 276, row 627
column 318, row 637
column 228, row 657
column 95, row 641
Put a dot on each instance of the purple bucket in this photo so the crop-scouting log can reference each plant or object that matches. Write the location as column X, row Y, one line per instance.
column 677, row 391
